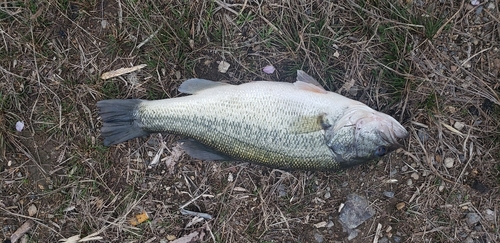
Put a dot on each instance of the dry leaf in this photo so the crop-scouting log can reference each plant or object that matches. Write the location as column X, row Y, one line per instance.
column 139, row 218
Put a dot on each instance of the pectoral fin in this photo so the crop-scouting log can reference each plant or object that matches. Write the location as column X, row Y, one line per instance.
column 200, row 151
column 312, row 124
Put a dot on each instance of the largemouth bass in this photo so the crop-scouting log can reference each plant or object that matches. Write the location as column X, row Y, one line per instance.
column 283, row 125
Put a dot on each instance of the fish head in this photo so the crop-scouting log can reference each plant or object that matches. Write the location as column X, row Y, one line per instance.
column 363, row 134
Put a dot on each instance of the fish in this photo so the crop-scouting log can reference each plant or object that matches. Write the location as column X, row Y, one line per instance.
column 289, row 126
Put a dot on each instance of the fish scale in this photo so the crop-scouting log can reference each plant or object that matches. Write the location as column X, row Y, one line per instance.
column 235, row 136
column 283, row 125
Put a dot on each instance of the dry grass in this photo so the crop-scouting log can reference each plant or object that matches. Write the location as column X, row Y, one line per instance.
column 432, row 65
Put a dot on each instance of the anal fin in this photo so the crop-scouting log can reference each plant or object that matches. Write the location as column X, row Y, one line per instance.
column 200, row 151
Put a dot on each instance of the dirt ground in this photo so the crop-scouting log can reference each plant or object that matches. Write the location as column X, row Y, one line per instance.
column 433, row 65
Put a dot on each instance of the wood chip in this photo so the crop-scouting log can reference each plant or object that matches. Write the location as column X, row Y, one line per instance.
column 121, row 71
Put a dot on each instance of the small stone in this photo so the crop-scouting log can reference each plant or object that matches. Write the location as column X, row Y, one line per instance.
column 414, row 175
column 230, row 177
column 32, row 210
column 389, row 228
column 223, row 66
column 400, row 205
column 318, row 237
column 397, row 239
column 489, row 215
column 389, row 194
column 409, row 182
column 452, row 109
column 448, row 162
column 327, row 195
column 383, row 240
column 491, row 6
column 472, row 218
column 171, row 237
column 321, row 224
column 330, row 224
column 425, row 173
column 404, row 168
column 459, row 125
column 453, row 68
column 423, row 136
column 441, row 188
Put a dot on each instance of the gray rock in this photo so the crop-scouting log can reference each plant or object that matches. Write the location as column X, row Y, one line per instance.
column 397, row 239
column 423, row 135
column 489, row 215
column 389, row 194
column 383, row 240
column 318, row 237
column 472, row 218
column 356, row 211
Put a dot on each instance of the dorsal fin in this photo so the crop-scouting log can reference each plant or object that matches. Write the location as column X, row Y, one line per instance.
column 304, row 77
column 194, row 85
column 309, row 87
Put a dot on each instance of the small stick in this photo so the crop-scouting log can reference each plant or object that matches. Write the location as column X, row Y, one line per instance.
column 121, row 71
column 22, row 230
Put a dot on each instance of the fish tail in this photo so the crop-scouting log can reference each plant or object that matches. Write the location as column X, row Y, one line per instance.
column 120, row 120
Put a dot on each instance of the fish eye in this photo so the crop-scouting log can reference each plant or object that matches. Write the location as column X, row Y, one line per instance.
column 380, row 151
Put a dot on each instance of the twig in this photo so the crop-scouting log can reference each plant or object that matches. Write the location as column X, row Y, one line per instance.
column 22, row 230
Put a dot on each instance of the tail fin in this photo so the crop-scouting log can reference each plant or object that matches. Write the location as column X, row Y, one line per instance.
column 120, row 120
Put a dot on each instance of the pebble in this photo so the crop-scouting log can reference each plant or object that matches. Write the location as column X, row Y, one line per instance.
column 448, row 162
column 327, row 195
column 383, row 240
column 423, row 135
column 459, row 125
column 409, row 182
column 489, row 215
column 389, row 194
column 171, row 237
column 32, row 210
column 426, row 173
column 404, row 168
column 414, row 175
column 472, row 218
column 318, row 237
column 491, row 6
column 441, row 188
column 397, row 239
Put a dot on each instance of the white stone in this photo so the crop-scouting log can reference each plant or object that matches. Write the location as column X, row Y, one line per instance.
column 459, row 125
column 448, row 162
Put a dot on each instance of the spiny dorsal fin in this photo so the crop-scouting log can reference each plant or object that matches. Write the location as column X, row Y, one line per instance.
column 304, row 77
column 194, row 85
column 309, row 87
